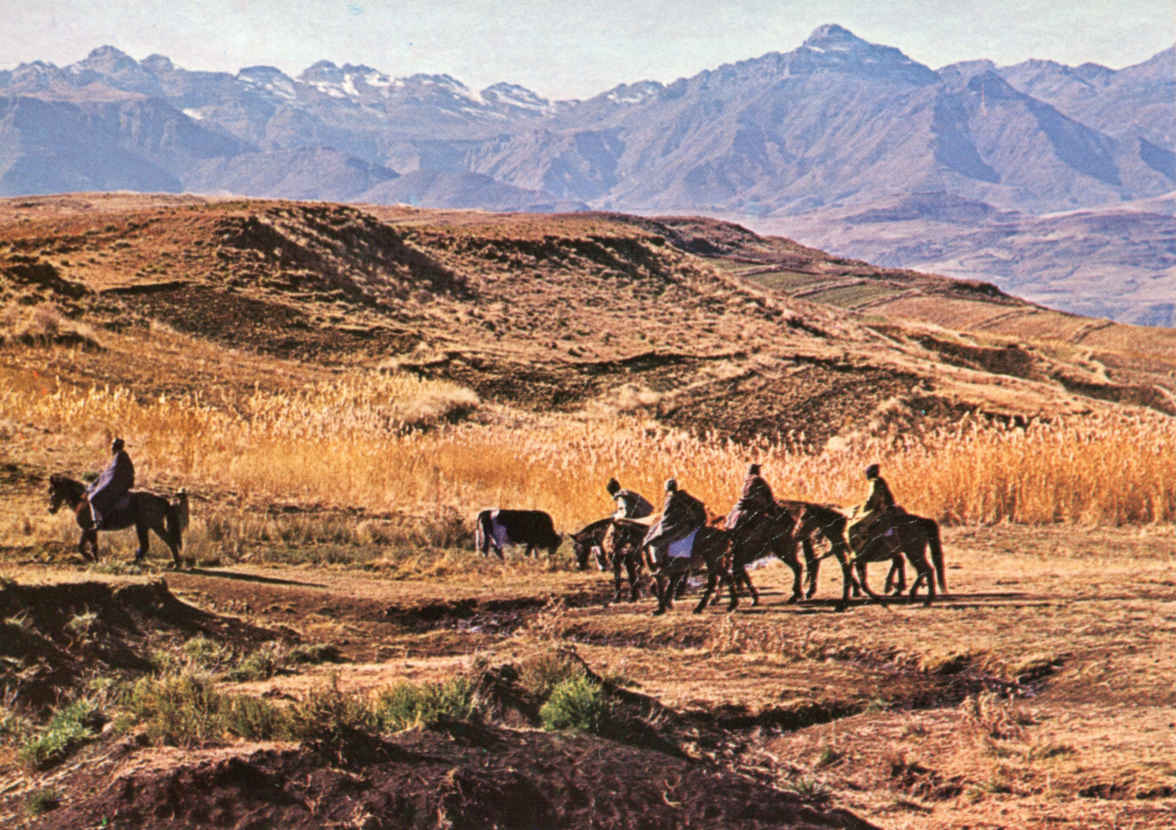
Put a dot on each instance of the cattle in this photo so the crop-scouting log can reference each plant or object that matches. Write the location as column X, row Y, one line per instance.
column 497, row 528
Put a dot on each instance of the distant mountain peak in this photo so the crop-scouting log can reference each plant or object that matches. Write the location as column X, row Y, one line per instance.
column 108, row 52
column 832, row 36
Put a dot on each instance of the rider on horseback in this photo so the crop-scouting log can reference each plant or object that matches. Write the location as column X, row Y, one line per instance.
column 755, row 500
column 682, row 514
column 630, row 505
column 114, row 482
column 878, row 503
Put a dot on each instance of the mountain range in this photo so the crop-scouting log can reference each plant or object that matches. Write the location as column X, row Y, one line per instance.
column 841, row 143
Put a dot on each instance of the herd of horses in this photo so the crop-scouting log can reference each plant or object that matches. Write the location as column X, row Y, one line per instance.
column 723, row 555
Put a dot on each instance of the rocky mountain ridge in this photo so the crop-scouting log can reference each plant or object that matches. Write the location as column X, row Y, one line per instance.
column 835, row 124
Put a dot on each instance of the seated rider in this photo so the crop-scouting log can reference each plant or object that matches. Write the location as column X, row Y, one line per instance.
column 112, row 484
column 682, row 514
column 630, row 505
column 755, row 500
column 866, row 517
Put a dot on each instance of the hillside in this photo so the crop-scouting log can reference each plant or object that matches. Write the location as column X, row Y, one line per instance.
column 711, row 326
column 834, row 142
column 340, row 389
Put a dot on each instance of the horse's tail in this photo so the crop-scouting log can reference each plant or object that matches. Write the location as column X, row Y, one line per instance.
column 482, row 530
column 177, row 519
column 936, row 551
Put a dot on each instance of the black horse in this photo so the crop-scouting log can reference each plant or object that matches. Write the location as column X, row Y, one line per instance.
column 625, row 539
column 145, row 510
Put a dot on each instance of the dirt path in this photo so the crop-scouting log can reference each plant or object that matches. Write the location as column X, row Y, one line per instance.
column 1038, row 690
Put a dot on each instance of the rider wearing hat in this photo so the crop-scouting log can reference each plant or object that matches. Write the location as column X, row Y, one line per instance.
column 630, row 505
column 878, row 502
column 755, row 500
column 112, row 484
column 682, row 514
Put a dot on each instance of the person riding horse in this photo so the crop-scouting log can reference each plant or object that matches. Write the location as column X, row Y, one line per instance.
column 112, row 484
column 755, row 501
column 682, row 514
column 630, row 505
column 877, row 504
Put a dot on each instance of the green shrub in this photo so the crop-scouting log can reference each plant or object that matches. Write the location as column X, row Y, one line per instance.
column 578, row 703
column 542, row 672
column 69, row 728
column 313, row 653
column 260, row 664
column 408, row 704
column 179, row 709
column 256, row 719
column 207, row 654
column 329, row 721
column 43, row 800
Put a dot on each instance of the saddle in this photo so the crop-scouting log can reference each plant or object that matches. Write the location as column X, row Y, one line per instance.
column 121, row 515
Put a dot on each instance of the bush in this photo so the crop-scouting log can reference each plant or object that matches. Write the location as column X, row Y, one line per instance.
column 542, row 672
column 407, row 704
column 329, row 721
column 578, row 703
column 256, row 719
column 43, row 800
column 207, row 654
column 179, row 709
column 69, row 728
column 260, row 664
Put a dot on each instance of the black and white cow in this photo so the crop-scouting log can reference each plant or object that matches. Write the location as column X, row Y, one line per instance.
column 497, row 528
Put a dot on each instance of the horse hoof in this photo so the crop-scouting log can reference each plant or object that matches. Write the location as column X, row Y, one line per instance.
column 658, row 612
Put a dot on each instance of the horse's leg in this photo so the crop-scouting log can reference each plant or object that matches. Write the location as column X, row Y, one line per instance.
column 925, row 572
column 724, row 574
column 712, row 579
column 860, row 560
column 144, row 542
column 618, row 561
column 812, row 566
column 661, row 589
column 744, row 578
column 632, row 564
column 896, row 579
column 786, row 553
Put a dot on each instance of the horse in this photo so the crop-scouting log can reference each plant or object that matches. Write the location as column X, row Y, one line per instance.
column 897, row 532
column 586, row 541
column 144, row 509
column 763, row 534
column 710, row 552
column 620, row 547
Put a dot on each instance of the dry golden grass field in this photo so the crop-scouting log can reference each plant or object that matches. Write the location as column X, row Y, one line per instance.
column 339, row 389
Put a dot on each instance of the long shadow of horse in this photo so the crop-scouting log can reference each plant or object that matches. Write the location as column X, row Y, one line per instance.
column 244, row 577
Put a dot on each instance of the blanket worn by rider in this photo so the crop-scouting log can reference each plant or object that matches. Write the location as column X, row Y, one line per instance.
column 756, row 499
column 631, row 505
column 112, row 485
column 682, row 515
column 877, row 504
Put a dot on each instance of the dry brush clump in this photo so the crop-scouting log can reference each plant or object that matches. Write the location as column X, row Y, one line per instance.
column 358, row 441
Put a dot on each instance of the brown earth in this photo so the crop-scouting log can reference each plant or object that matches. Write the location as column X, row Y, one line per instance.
column 1037, row 691
column 718, row 324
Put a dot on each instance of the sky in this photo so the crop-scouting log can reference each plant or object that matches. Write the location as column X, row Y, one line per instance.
column 573, row 49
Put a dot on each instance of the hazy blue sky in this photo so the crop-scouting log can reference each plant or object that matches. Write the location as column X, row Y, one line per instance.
column 573, row 49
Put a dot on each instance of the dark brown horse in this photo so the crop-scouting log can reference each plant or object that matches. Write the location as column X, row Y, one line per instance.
column 897, row 533
column 586, row 542
column 145, row 510
column 710, row 555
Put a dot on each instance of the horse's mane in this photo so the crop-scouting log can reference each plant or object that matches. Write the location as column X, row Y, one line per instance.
column 64, row 481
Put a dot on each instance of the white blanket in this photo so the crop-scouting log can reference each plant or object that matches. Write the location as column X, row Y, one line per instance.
column 684, row 546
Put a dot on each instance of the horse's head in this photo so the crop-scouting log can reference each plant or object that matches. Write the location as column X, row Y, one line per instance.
column 59, row 491
column 581, row 547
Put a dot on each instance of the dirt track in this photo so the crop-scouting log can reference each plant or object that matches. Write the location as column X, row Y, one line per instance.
column 1038, row 691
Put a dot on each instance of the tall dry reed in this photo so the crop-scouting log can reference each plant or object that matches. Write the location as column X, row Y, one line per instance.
column 384, row 442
